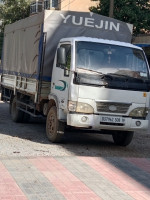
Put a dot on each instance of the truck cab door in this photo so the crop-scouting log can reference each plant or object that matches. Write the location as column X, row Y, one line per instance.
column 61, row 78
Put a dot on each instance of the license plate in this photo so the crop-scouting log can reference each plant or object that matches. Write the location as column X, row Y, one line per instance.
column 110, row 119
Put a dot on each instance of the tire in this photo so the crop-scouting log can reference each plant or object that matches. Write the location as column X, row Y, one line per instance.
column 122, row 138
column 16, row 115
column 54, row 128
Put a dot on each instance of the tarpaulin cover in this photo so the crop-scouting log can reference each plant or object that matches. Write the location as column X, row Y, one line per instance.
column 23, row 40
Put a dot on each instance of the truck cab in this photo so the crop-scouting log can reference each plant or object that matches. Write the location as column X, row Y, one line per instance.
column 99, row 84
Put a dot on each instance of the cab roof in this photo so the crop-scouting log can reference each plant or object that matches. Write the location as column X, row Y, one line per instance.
column 96, row 40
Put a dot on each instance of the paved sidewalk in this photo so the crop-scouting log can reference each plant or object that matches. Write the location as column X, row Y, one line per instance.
column 74, row 178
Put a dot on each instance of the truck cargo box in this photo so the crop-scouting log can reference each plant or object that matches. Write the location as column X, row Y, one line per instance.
column 30, row 44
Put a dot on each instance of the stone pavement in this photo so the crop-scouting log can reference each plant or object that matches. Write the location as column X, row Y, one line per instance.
column 74, row 178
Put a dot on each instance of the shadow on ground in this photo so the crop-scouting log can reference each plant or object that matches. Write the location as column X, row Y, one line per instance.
column 76, row 142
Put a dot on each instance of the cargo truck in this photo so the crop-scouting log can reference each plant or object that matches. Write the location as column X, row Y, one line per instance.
column 78, row 70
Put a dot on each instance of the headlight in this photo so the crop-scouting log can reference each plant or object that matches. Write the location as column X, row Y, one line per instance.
column 80, row 107
column 139, row 112
column 84, row 108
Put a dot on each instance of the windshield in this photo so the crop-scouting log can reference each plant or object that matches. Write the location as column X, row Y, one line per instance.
column 111, row 59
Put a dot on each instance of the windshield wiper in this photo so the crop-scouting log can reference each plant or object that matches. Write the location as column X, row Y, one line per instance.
column 123, row 75
column 92, row 71
column 128, row 77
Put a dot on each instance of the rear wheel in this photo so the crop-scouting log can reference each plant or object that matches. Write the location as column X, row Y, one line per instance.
column 54, row 128
column 122, row 138
column 16, row 114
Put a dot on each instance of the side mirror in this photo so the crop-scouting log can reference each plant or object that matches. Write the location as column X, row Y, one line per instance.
column 61, row 56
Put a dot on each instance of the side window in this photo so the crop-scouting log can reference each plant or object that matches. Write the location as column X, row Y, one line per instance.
column 68, row 58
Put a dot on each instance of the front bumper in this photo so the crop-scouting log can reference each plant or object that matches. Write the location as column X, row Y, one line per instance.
column 93, row 122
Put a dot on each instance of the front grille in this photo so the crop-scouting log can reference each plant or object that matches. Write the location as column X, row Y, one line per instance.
column 112, row 107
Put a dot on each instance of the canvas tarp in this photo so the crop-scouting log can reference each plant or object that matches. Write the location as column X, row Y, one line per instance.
column 23, row 40
column 21, row 46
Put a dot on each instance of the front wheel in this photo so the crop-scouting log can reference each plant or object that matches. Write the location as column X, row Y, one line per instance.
column 54, row 128
column 122, row 138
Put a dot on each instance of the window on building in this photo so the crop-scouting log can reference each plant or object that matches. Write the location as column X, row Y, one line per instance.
column 48, row 4
column 36, row 6
column 54, row 3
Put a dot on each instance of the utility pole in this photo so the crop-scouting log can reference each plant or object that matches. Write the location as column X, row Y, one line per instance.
column 111, row 8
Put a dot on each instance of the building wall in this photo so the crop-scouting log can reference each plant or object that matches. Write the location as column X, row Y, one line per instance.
column 72, row 5
column 77, row 5
column 142, row 39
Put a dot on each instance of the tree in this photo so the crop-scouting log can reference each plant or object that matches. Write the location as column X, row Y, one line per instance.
column 136, row 12
column 11, row 11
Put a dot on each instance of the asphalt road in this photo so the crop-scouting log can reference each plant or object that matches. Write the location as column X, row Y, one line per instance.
column 30, row 140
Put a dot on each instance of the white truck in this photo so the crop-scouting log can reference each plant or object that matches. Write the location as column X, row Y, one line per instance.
column 77, row 69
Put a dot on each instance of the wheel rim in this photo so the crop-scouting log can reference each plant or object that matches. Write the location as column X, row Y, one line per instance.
column 53, row 126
